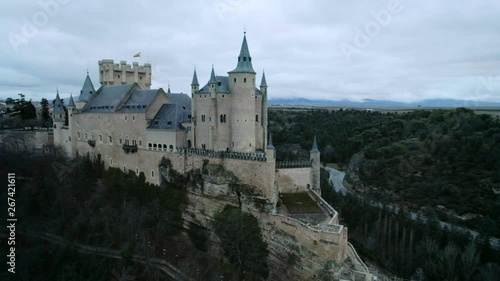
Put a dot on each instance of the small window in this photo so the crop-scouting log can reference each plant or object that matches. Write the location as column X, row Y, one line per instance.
column 86, row 136
column 100, row 138
column 124, row 169
column 78, row 123
column 169, row 123
column 125, row 117
column 245, row 79
column 110, row 139
column 78, row 135
column 137, row 171
column 69, row 138
column 111, row 161
column 234, row 80
column 171, row 147
column 140, row 142
column 257, row 118
column 152, row 173
column 121, row 141
column 133, row 117
column 118, row 76
column 244, row 58
column 222, row 96
column 140, row 77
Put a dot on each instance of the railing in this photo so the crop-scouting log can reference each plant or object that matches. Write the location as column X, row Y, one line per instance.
column 253, row 156
column 129, row 148
column 294, row 164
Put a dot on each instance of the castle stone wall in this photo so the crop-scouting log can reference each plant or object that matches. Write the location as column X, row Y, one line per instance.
column 293, row 179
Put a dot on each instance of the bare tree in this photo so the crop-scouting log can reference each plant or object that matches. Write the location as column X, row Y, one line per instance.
column 469, row 260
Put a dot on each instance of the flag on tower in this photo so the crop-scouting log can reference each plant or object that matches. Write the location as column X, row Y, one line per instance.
column 137, row 55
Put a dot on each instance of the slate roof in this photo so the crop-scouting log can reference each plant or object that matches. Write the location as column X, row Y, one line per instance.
column 58, row 106
column 195, row 79
column 71, row 102
column 183, row 100
column 87, row 91
column 223, row 87
column 139, row 100
column 244, row 59
column 108, row 98
column 263, row 82
column 169, row 117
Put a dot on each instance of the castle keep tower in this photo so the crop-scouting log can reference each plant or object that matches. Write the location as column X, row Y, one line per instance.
column 243, row 113
column 111, row 74
column 230, row 113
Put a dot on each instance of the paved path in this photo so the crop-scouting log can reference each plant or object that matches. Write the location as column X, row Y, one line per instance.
column 337, row 178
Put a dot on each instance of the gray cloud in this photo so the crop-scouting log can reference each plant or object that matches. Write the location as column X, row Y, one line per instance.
column 429, row 49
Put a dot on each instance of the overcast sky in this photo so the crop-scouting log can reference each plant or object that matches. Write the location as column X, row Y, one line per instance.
column 403, row 50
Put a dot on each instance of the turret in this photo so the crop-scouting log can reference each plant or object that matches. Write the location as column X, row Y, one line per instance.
column 243, row 112
column 314, row 156
column 86, row 93
column 270, row 150
column 195, row 86
column 263, row 90
column 212, row 84
column 58, row 114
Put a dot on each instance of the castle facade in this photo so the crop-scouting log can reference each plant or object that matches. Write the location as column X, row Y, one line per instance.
column 224, row 122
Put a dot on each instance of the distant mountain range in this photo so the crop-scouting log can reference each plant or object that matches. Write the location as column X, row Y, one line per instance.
column 367, row 103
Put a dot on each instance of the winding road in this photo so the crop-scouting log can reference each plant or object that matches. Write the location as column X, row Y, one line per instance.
column 337, row 178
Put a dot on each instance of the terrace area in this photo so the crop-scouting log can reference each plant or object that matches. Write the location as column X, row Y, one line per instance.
column 303, row 207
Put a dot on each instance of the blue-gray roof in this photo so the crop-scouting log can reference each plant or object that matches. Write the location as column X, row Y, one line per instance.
column 108, row 98
column 244, row 59
column 181, row 99
column 195, row 79
column 212, row 76
column 263, row 82
column 58, row 105
column 71, row 102
column 87, row 90
column 139, row 100
column 222, row 86
column 169, row 117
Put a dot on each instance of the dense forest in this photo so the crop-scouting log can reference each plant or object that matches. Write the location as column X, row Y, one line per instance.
column 445, row 163
column 119, row 214
column 416, row 160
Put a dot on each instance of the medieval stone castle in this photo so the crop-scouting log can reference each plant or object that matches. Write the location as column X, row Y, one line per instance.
column 224, row 122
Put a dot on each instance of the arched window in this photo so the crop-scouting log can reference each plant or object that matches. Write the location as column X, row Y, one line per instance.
column 171, row 147
column 110, row 139
column 149, row 146
column 189, row 143
column 245, row 79
column 152, row 173
column 164, row 147
column 154, row 146
column 221, row 119
column 137, row 171
column 224, row 118
column 257, row 118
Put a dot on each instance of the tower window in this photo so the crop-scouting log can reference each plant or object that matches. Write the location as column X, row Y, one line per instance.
column 234, row 80
column 110, row 138
column 111, row 161
column 245, row 79
column 244, row 58
column 78, row 135
column 257, row 118
column 152, row 173
column 133, row 117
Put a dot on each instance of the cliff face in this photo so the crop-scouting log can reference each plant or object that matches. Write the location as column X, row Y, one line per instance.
column 289, row 257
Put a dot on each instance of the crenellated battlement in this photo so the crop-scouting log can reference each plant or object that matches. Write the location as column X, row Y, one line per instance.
column 113, row 74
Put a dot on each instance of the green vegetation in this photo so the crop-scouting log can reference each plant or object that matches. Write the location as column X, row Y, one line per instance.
column 416, row 159
column 241, row 240
column 412, row 248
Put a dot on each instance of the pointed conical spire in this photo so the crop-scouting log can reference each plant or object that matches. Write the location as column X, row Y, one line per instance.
column 212, row 76
column 263, row 82
column 270, row 142
column 314, row 146
column 244, row 59
column 58, row 106
column 71, row 102
column 87, row 91
column 195, row 79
